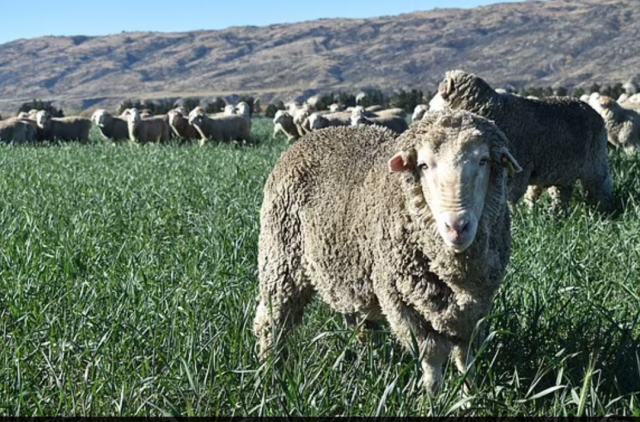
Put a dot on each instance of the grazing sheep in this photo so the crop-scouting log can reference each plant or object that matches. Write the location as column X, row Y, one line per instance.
column 393, row 122
column 152, row 129
column 17, row 131
column 623, row 125
column 111, row 127
column 557, row 141
column 283, row 122
column 419, row 111
column 413, row 229
column 220, row 128
column 180, row 127
column 63, row 129
column 320, row 121
column 374, row 108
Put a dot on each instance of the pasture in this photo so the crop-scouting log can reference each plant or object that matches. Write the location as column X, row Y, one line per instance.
column 129, row 276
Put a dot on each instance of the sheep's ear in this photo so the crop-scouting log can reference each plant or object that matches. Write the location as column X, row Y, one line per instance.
column 446, row 87
column 402, row 161
column 507, row 160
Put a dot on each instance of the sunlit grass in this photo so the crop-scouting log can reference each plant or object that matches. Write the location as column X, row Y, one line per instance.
column 129, row 280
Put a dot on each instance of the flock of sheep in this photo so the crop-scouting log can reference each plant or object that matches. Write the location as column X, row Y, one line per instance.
column 413, row 226
column 234, row 124
column 387, row 221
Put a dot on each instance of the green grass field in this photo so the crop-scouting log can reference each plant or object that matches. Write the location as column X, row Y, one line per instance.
column 129, row 275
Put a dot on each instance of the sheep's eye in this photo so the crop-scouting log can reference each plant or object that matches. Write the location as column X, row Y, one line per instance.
column 423, row 166
column 484, row 161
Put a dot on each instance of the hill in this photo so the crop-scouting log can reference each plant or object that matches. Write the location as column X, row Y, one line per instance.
column 560, row 42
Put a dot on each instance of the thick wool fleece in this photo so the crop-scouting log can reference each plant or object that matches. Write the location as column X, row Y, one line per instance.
column 556, row 141
column 335, row 221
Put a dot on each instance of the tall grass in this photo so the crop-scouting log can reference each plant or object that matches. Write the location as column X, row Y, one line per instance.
column 128, row 278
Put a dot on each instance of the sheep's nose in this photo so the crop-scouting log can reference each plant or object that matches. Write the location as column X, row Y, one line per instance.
column 457, row 224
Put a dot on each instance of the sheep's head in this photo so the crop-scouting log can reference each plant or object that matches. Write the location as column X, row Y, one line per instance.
column 458, row 88
column 316, row 122
column 243, row 109
column 229, row 110
column 42, row 118
column 456, row 165
column 132, row 115
column 100, row 117
column 197, row 116
column 418, row 112
column 359, row 119
column 281, row 117
column 174, row 117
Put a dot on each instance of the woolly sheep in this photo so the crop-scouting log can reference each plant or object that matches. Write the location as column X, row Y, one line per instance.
column 220, row 128
column 180, row 127
column 556, row 141
column 319, row 121
column 623, row 125
column 144, row 130
column 63, row 129
column 419, row 111
column 17, row 131
column 283, row 122
column 111, row 127
column 413, row 229
column 395, row 123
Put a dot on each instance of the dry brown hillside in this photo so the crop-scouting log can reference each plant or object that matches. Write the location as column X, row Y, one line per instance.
column 531, row 43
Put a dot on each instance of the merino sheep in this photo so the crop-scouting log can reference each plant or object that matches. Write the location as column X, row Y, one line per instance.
column 17, row 131
column 413, row 229
column 419, row 111
column 393, row 122
column 557, row 141
column 220, row 128
column 319, row 121
column 152, row 129
column 110, row 126
column 283, row 122
column 180, row 126
column 623, row 125
column 63, row 129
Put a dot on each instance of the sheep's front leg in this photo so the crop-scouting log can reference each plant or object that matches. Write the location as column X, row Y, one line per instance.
column 411, row 328
column 463, row 359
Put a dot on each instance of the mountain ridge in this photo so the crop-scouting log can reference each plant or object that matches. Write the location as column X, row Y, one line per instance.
column 560, row 42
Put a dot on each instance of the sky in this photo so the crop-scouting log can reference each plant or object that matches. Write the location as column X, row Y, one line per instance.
column 35, row 18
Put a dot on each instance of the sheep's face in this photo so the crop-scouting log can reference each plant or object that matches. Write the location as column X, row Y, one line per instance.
column 132, row 115
column 174, row 117
column 100, row 118
column 452, row 161
column 316, row 122
column 196, row 117
column 42, row 118
column 418, row 112
column 229, row 110
column 243, row 109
